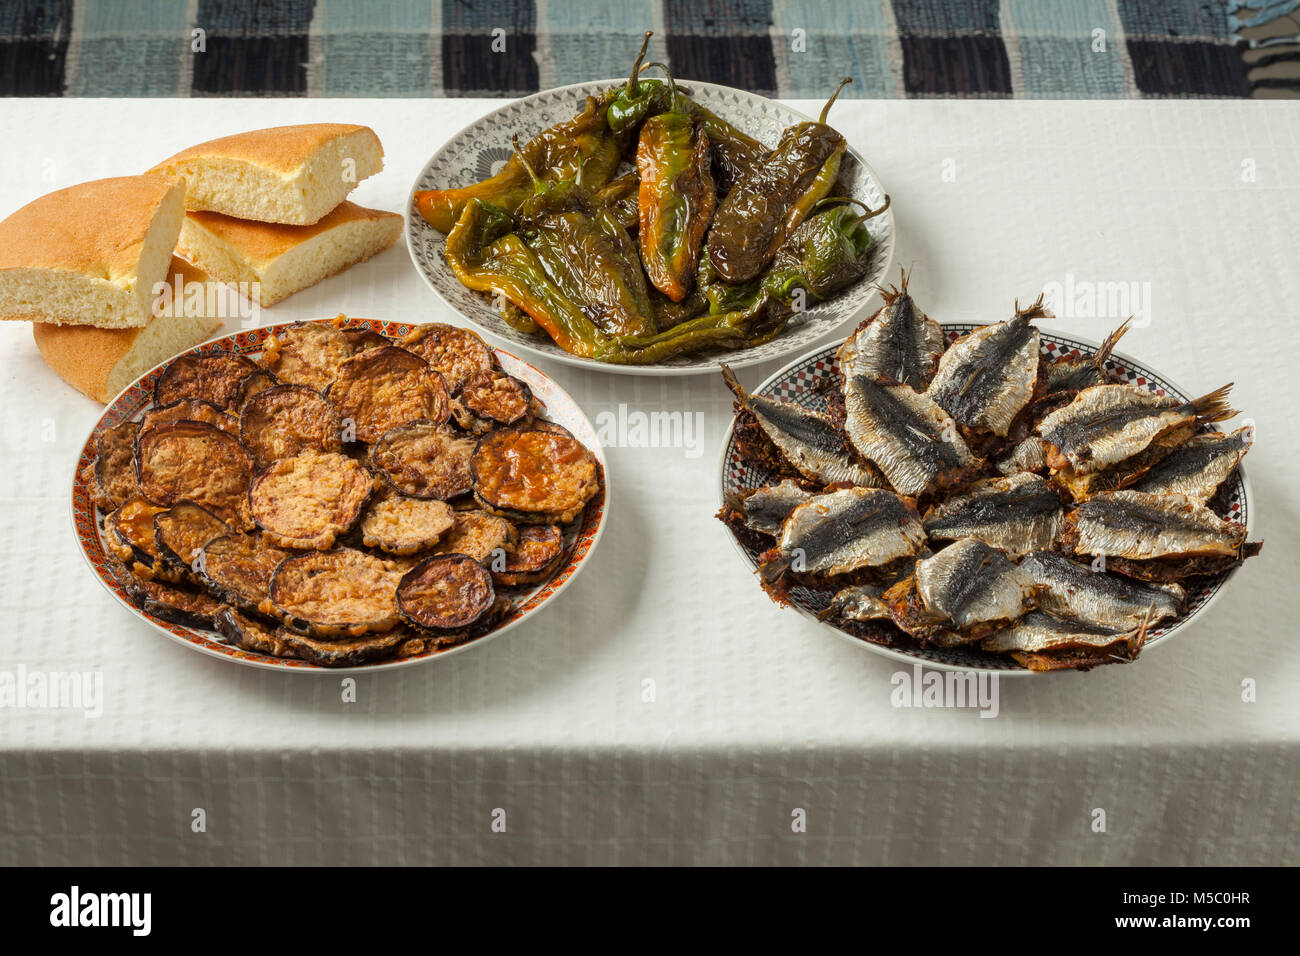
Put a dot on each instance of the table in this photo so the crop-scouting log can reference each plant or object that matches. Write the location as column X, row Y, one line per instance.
column 663, row 711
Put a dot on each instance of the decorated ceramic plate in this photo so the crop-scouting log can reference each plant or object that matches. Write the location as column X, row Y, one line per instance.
column 803, row 383
column 479, row 150
column 581, row 535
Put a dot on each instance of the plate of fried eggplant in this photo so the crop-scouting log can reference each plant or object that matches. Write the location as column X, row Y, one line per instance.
column 340, row 493
column 986, row 497
column 641, row 226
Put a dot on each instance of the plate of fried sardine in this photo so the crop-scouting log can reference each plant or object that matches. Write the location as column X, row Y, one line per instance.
column 643, row 226
column 992, row 497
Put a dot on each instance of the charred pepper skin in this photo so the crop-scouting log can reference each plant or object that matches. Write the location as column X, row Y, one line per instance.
column 582, row 148
column 676, row 199
column 766, row 206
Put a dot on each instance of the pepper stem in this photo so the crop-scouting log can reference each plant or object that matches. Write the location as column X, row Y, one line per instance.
column 867, row 211
column 538, row 186
column 672, row 84
column 834, row 96
column 636, row 66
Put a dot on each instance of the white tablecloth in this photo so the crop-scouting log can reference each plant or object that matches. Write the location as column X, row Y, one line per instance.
column 753, row 713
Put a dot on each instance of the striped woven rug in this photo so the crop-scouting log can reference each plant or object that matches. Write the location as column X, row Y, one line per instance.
column 788, row 48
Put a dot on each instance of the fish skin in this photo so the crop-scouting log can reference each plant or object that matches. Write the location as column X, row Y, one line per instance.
column 765, row 509
column 1198, row 468
column 805, row 438
column 857, row 602
column 986, row 377
column 915, row 443
column 1038, row 631
column 1106, row 424
column 1071, row 590
column 1017, row 515
column 844, row 531
column 1076, row 374
column 1139, row 526
column 899, row 344
column 970, row 583
column 1029, row 455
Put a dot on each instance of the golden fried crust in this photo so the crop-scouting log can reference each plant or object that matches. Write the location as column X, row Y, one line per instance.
column 309, row 353
column 336, row 593
column 182, row 531
column 114, row 472
column 288, row 420
column 259, row 381
column 496, row 396
column 211, row 376
column 382, row 388
column 309, row 500
column 171, row 602
column 479, row 536
column 539, row 476
column 361, row 339
column 456, row 353
column 425, row 460
column 344, row 652
column 199, row 462
column 239, row 567
column 251, row 635
column 445, row 592
column 189, row 409
column 404, row 525
column 537, row 554
column 130, row 535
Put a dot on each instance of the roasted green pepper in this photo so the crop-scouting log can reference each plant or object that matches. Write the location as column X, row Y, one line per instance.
column 630, row 106
column 676, row 198
column 766, row 206
column 587, row 254
column 582, row 147
column 620, row 195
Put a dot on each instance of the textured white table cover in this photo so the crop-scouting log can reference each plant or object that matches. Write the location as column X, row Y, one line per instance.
column 756, row 712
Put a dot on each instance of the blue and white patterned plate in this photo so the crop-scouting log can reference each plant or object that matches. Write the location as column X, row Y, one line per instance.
column 478, row 151
column 802, row 383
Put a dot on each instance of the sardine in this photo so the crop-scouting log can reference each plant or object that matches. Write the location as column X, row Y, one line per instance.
column 1017, row 514
column 858, row 602
column 1141, row 526
column 1037, row 632
column 1068, row 589
column 898, row 344
column 1198, row 467
column 844, row 531
column 765, row 509
column 1067, row 374
column 963, row 593
column 985, row 378
column 1106, row 424
column 914, row 442
column 804, row 439
column 1029, row 455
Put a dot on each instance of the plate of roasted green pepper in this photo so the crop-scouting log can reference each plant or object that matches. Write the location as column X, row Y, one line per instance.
column 645, row 226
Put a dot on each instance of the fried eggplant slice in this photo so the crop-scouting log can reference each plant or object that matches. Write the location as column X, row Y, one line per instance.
column 343, row 652
column 251, row 635
column 1198, row 468
column 307, row 353
column 497, row 397
column 338, row 593
column 187, row 606
column 1075, row 591
column 454, row 352
column 190, row 409
column 213, row 377
column 197, row 462
column 425, row 460
column 484, row 537
column 183, row 530
column 309, row 500
column 259, row 381
column 1018, row 514
column 534, row 476
column 359, row 340
column 537, row 554
column 403, row 525
column 238, row 569
column 446, row 592
column 114, row 480
column 287, row 420
column 843, row 532
column 128, row 532
column 382, row 388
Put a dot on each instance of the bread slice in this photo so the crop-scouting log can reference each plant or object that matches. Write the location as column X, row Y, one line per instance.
column 99, row 363
column 288, row 174
column 90, row 254
column 271, row 262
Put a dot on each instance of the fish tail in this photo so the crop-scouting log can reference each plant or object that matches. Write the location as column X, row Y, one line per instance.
column 1140, row 638
column 733, row 383
column 774, row 569
column 1036, row 311
column 1108, row 344
column 1213, row 406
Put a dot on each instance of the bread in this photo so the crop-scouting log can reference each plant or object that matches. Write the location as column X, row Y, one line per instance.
column 99, row 363
column 90, row 254
column 276, row 261
column 287, row 174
